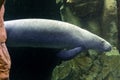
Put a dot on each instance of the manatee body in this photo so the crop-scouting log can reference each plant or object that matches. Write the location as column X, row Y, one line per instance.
column 53, row 34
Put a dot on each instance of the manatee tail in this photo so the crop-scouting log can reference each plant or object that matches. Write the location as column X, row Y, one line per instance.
column 69, row 54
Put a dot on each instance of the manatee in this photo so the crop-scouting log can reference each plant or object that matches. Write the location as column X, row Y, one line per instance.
column 47, row 33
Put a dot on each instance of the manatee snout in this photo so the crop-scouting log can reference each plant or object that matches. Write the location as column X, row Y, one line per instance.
column 107, row 47
column 102, row 45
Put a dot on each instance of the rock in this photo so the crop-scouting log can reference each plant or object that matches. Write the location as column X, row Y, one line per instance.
column 103, row 67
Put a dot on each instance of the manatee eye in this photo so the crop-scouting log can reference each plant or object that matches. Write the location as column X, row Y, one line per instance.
column 102, row 42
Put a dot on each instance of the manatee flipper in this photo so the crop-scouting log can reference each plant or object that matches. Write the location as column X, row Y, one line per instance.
column 68, row 54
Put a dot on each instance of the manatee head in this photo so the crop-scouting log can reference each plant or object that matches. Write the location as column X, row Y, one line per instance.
column 98, row 44
column 104, row 46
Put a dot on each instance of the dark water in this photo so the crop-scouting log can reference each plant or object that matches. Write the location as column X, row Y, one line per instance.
column 16, row 9
column 32, row 63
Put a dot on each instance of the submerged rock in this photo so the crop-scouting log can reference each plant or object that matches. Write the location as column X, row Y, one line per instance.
column 102, row 67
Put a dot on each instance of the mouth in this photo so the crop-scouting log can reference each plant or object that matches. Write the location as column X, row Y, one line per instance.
column 104, row 48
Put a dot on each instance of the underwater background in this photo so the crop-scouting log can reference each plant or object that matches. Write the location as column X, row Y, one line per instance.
column 97, row 16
